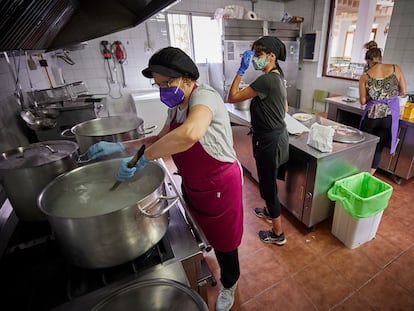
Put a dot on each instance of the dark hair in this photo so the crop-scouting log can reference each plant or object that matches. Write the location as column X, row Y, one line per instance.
column 259, row 47
column 372, row 50
column 269, row 45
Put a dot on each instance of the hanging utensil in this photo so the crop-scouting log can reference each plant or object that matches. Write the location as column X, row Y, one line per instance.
column 28, row 64
column 43, row 63
column 120, row 54
column 31, row 63
column 15, row 71
column 130, row 164
column 107, row 54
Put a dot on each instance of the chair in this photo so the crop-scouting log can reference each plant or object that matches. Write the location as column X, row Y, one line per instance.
column 319, row 97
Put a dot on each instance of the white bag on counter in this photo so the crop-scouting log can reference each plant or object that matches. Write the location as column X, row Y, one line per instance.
column 321, row 137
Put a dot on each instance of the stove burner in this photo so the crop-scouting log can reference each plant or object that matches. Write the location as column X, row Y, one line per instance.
column 35, row 276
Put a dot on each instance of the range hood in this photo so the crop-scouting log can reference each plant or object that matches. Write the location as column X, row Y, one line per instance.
column 53, row 24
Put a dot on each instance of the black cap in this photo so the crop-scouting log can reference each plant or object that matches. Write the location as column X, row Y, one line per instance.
column 274, row 45
column 171, row 62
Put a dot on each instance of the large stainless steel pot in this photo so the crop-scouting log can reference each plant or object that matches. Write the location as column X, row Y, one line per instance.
column 112, row 129
column 27, row 170
column 98, row 228
column 153, row 295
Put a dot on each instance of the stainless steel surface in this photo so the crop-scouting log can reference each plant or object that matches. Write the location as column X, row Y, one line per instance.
column 348, row 113
column 401, row 163
column 112, row 129
column 67, row 92
column 70, row 114
column 347, row 134
column 28, row 116
column 183, row 268
column 310, row 173
column 204, row 244
column 40, row 119
column 96, row 228
column 27, row 170
column 32, row 25
column 244, row 105
column 147, row 294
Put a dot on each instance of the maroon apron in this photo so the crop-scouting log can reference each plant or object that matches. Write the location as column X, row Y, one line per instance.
column 213, row 193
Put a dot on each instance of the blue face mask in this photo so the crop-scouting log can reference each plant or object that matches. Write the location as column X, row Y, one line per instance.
column 172, row 96
column 259, row 62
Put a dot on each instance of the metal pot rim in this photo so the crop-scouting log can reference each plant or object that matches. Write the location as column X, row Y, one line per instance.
column 13, row 154
column 108, row 126
column 41, row 197
column 190, row 293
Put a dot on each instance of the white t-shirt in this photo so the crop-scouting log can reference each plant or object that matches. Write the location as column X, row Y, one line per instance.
column 218, row 140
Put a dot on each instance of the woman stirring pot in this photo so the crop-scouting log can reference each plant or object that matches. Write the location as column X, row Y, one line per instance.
column 198, row 136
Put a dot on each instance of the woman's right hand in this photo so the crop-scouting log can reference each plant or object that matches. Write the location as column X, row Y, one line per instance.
column 104, row 148
column 125, row 172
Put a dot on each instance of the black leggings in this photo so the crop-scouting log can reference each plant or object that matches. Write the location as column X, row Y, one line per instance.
column 382, row 128
column 229, row 267
column 267, row 154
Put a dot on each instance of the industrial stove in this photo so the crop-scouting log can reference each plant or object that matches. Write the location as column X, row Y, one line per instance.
column 35, row 275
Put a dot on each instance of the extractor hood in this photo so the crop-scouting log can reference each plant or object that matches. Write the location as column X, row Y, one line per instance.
column 52, row 24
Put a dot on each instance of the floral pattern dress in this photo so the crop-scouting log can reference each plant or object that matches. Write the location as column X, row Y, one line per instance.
column 381, row 89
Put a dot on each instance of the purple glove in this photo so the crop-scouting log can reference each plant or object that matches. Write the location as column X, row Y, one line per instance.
column 104, row 148
column 245, row 62
column 124, row 172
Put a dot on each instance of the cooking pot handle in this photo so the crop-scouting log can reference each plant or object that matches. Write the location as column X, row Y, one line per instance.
column 148, row 130
column 144, row 209
column 83, row 158
column 40, row 145
column 64, row 133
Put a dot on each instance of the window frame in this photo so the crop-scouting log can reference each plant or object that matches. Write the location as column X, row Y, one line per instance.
column 329, row 42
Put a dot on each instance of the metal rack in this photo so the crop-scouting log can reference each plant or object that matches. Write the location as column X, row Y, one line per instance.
column 67, row 92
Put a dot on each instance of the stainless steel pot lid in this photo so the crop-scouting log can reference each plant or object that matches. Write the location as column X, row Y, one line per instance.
column 347, row 134
column 151, row 295
column 107, row 126
column 37, row 154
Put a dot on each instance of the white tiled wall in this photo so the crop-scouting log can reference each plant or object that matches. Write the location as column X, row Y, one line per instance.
column 399, row 48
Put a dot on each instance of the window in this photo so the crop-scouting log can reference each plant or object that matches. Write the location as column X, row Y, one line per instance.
column 188, row 32
column 353, row 23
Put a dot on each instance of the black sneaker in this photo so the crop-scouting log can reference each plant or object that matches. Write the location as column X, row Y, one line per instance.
column 270, row 237
column 261, row 212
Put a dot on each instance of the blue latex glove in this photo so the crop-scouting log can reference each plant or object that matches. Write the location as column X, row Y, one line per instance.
column 124, row 172
column 104, row 148
column 245, row 62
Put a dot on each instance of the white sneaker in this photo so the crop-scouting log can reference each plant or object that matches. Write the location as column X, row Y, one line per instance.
column 225, row 299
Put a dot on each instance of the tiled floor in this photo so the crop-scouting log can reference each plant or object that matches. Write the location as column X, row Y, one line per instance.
column 315, row 271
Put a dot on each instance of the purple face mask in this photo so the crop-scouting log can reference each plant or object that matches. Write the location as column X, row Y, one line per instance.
column 172, row 96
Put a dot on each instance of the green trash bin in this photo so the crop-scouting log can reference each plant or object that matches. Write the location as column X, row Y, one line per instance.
column 360, row 202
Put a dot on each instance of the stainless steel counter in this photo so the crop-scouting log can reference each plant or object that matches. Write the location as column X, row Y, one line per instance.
column 310, row 173
column 401, row 164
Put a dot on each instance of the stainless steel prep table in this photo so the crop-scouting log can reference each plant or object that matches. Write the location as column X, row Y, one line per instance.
column 310, row 173
column 400, row 164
